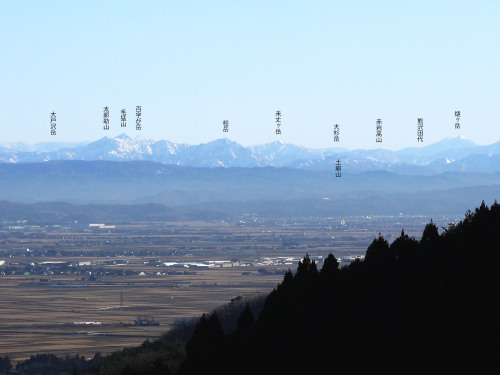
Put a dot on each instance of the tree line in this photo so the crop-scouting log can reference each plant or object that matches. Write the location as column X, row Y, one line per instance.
column 426, row 306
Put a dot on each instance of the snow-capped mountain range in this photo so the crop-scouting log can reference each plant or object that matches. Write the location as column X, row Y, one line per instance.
column 449, row 154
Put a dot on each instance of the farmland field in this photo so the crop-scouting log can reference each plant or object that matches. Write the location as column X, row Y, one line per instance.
column 75, row 290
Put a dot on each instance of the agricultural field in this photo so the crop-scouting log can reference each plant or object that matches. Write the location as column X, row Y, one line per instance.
column 100, row 317
column 86, row 289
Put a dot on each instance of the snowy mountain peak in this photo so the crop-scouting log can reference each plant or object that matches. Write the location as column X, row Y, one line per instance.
column 224, row 152
column 123, row 136
column 458, row 141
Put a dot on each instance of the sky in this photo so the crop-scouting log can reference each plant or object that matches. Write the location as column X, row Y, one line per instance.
column 190, row 65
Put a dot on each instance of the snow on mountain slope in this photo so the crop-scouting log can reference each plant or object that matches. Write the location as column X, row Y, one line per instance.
column 441, row 156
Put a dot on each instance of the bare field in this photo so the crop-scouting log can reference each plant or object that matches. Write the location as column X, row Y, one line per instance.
column 52, row 277
column 41, row 318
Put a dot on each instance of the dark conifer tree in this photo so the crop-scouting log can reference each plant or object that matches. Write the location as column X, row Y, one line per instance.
column 306, row 267
column 287, row 283
column 246, row 321
column 330, row 266
column 404, row 247
column 206, row 347
column 378, row 252
column 430, row 233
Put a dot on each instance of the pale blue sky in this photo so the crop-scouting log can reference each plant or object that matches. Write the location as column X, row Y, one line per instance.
column 193, row 64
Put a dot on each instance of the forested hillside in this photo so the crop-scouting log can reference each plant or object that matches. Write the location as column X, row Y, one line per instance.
column 425, row 306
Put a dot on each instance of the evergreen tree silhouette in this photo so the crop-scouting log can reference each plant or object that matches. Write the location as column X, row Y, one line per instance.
column 246, row 321
column 330, row 266
column 430, row 233
column 306, row 267
column 206, row 347
column 404, row 247
column 378, row 252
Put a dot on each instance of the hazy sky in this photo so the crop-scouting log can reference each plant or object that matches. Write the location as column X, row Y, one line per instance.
column 193, row 64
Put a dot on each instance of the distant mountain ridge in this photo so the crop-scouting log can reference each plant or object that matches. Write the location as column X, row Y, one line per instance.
column 267, row 191
column 449, row 154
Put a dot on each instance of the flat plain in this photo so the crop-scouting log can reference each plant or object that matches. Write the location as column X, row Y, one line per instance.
column 79, row 289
